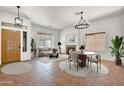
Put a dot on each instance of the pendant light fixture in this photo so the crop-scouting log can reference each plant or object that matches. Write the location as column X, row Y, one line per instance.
column 82, row 24
column 18, row 20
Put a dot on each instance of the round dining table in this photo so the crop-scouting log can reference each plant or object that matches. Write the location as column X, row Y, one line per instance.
column 84, row 53
column 87, row 54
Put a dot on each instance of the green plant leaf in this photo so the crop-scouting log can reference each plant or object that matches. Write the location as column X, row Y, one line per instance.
column 117, row 49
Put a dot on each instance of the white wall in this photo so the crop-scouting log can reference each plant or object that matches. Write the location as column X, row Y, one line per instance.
column 37, row 28
column 111, row 24
column 123, row 21
column 63, row 37
column 0, row 42
column 9, row 18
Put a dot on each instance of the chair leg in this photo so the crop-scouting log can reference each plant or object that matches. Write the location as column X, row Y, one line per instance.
column 97, row 67
column 70, row 64
column 100, row 65
column 77, row 67
column 87, row 64
column 90, row 64
column 75, row 64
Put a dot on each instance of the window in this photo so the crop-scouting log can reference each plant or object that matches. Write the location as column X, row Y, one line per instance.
column 24, row 41
column 44, row 40
column 95, row 41
column 90, row 42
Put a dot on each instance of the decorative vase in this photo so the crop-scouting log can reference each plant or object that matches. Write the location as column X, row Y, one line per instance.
column 118, row 62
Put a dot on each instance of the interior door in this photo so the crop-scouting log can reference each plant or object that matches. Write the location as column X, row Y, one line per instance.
column 10, row 45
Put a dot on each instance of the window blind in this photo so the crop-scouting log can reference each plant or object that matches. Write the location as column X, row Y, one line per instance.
column 95, row 41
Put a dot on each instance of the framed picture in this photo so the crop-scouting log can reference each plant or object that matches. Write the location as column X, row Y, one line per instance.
column 70, row 39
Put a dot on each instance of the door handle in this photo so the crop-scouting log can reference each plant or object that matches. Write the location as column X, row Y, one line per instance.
column 19, row 46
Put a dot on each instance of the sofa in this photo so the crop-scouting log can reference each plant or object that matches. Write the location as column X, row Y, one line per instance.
column 44, row 51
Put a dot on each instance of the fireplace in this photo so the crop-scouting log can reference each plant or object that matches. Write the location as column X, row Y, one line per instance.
column 68, row 47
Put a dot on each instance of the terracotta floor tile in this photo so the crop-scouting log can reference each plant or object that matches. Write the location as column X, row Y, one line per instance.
column 51, row 75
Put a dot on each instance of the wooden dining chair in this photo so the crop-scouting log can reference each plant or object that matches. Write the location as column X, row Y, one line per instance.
column 96, row 60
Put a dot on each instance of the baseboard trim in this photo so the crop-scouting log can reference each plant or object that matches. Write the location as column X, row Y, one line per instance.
column 25, row 60
column 107, row 60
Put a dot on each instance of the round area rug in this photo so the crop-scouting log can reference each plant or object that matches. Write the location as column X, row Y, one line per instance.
column 16, row 68
column 83, row 72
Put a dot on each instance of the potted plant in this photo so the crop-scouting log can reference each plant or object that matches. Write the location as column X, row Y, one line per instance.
column 82, row 47
column 117, row 49
column 33, row 47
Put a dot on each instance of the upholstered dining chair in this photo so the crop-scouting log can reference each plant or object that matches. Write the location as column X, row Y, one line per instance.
column 96, row 60
column 70, row 52
column 70, row 57
column 75, row 59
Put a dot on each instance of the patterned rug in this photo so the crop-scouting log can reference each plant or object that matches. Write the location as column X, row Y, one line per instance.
column 84, row 72
column 16, row 68
column 47, row 60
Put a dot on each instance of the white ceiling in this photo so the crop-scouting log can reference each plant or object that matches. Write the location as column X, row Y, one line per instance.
column 60, row 17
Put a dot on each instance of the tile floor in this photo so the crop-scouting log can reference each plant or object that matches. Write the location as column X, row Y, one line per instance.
column 50, row 74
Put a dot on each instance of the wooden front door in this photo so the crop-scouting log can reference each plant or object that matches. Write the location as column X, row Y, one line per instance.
column 10, row 45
